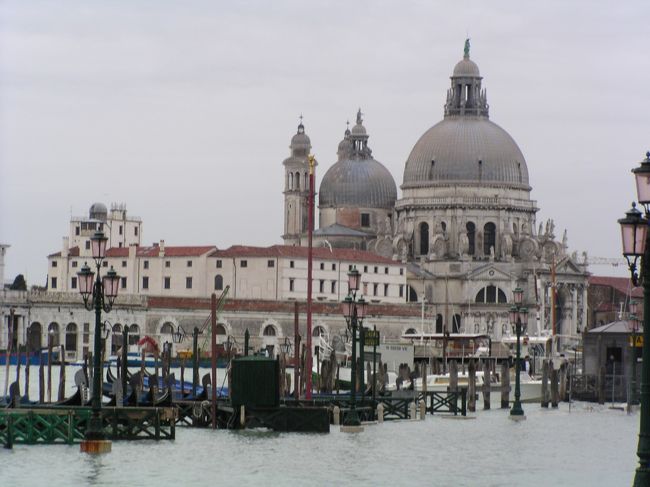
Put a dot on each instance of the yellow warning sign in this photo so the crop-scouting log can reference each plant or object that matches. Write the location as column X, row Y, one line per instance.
column 636, row 343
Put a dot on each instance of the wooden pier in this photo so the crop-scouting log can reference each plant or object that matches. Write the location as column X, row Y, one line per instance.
column 57, row 425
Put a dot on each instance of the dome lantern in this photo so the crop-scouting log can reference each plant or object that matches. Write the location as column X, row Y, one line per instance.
column 465, row 96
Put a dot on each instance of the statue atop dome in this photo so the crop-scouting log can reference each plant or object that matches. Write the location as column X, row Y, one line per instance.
column 466, row 49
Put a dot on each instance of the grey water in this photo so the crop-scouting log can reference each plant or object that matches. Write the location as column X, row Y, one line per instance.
column 584, row 445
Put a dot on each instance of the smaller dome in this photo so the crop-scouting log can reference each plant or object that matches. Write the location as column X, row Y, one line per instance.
column 466, row 68
column 345, row 148
column 301, row 138
column 98, row 211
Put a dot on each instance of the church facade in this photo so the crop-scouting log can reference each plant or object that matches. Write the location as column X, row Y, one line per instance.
column 465, row 224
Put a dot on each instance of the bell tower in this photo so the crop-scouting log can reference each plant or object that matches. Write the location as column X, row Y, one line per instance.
column 296, row 188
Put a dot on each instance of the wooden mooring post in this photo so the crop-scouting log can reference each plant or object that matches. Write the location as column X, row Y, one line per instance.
column 563, row 372
column 453, row 376
column 545, row 393
column 61, row 394
column 601, row 384
column 505, row 385
column 471, row 370
column 27, row 365
column 555, row 394
column 49, row 367
column 487, row 381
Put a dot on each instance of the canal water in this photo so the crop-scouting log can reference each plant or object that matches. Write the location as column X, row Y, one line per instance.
column 584, row 445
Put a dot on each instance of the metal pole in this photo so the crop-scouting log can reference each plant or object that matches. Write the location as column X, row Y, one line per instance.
column 516, row 407
column 642, row 477
column 125, row 359
column 9, row 343
column 374, row 367
column 633, row 395
column 95, row 429
column 296, row 353
column 352, row 419
column 195, row 360
column 214, row 360
column 308, row 361
column 362, row 359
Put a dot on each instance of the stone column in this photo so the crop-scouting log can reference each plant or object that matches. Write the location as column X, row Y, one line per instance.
column 574, row 310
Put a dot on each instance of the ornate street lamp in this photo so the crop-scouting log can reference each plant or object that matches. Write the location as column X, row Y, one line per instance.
column 633, row 320
column 98, row 293
column 634, row 232
column 519, row 318
column 354, row 311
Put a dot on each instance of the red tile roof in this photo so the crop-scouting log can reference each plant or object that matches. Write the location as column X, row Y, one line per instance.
column 117, row 252
column 188, row 251
column 194, row 251
column 72, row 252
column 621, row 284
column 323, row 253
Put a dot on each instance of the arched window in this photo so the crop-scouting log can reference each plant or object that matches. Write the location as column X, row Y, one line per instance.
column 471, row 237
column 439, row 327
column 269, row 331
column 290, row 180
column 71, row 337
column 167, row 328
column 306, row 181
column 410, row 331
column 501, row 296
column 34, row 336
column 318, row 331
column 413, row 295
column 134, row 334
column 489, row 237
column 455, row 323
column 424, row 238
column 220, row 329
column 53, row 333
column 297, row 180
column 218, row 282
column 491, row 294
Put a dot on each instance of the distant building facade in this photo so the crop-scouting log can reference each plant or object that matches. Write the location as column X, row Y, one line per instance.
column 465, row 223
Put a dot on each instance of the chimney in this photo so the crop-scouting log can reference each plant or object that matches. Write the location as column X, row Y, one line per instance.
column 161, row 251
column 66, row 247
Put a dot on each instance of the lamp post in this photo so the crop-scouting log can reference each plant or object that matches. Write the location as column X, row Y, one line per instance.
column 354, row 311
column 519, row 318
column 98, row 293
column 634, row 232
column 635, row 326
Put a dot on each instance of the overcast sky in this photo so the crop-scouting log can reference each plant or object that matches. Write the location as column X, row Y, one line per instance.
column 184, row 110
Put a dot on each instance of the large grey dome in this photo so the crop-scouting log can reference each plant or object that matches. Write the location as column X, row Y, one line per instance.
column 363, row 183
column 466, row 149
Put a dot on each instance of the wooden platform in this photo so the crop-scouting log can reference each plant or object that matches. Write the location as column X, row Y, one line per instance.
column 68, row 425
